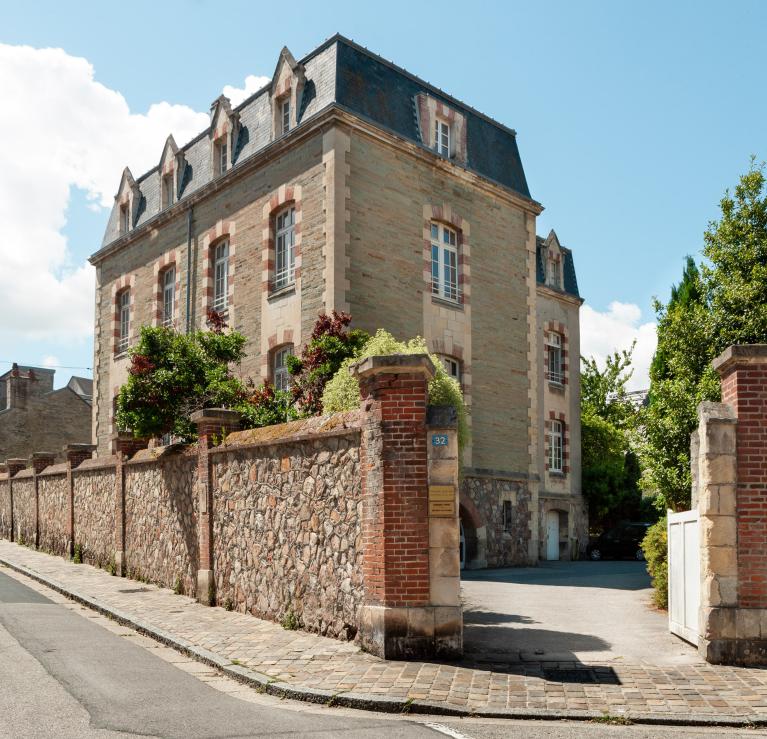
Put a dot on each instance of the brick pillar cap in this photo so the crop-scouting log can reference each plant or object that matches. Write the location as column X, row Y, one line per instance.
column 42, row 455
column 215, row 415
column 79, row 447
column 740, row 354
column 15, row 461
column 393, row 364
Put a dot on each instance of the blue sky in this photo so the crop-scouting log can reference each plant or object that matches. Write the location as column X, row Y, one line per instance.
column 632, row 118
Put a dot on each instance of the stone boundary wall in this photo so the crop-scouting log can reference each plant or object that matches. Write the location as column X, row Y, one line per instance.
column 53, row 504
column 344, row 525
column 161, row 521
column 286, row 530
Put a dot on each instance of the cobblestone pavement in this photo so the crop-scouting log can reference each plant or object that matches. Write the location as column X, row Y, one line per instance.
column 306, row 661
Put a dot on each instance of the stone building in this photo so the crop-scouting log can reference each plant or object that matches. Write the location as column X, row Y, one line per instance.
column 347, row 183
column 34, row 417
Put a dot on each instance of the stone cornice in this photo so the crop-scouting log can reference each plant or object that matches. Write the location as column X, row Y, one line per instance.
column 559, row 295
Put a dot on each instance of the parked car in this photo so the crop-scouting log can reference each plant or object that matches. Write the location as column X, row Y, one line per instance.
column 624, row 541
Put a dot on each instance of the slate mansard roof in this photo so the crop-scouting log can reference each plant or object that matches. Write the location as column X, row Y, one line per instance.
column 344, row 75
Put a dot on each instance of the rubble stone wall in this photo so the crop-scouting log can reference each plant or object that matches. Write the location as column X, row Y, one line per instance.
column 53, row 501
column 5, row 508
column 161, row 521
column 24, row 508
column 94, row 514
column 286, row 532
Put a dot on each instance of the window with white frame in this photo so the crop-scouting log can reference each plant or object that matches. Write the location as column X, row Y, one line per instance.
column 444, row 262
column 168, row 296
column 442, row 137
column 124, row 218
column 221, row 153
column 123, row 319
column 167, row 191
column 285, row 116
column 453, row 367
column 285, row 248
column 280, row 367
column 555, row 446
column 221, row 277
column 555, row 275
column 554, row 351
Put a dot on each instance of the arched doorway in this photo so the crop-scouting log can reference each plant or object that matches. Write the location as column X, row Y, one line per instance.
column 473, row 537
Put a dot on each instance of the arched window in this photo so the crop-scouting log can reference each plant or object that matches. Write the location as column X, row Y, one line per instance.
column 280, row 374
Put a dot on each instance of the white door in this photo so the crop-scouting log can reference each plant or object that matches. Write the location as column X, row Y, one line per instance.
column 552, row 535
column 683, row 574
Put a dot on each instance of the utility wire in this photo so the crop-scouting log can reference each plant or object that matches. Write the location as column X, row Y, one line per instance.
column 46, row 366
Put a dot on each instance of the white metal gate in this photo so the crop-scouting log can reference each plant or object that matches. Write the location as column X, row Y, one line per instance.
column 683, row 574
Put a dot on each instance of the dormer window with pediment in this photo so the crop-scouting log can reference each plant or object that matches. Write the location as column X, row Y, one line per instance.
column 169, row 173
column 287, row 88
column 224, row 129
column 442, row 128
column 128, row 198
column 553, row 261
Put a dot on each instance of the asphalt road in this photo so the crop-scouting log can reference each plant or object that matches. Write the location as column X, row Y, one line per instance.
column 68, row 672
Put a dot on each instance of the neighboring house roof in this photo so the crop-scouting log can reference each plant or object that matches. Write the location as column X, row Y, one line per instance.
column 39, row 371
column 83, row 386
column 343, row 74
column 569, row 279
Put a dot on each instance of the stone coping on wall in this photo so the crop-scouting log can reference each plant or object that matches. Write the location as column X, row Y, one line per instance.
column 316, row 427
column 97, row 464
column 23, row 474
column 54, row 469
column 159, row 453
column 740, row 354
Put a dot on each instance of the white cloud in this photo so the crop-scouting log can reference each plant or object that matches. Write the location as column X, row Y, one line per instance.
column 62, row 129
column 252, row 84
column 51, row 361
column 613, row 330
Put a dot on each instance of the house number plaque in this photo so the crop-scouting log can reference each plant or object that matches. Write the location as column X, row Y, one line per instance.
column 442, row 501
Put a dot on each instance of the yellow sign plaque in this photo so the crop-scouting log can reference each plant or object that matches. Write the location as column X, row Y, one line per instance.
column 442, row 500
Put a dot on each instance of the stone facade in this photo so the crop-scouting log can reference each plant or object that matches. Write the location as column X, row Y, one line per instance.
column 286, row 531
column 366, row 187
column 34, row 416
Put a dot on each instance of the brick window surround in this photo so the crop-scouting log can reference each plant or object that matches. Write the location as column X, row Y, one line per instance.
column 169, row 260
column 278, row 200
column 445, row 214
column 210, row 240
column 549, row 328
column 119, row 286
column 553, row 416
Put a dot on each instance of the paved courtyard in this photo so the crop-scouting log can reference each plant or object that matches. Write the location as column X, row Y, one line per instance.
column 588, row 612
column 297, row 663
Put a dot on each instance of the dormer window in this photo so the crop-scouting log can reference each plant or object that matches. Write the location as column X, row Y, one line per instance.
column 124, row 218
column 555, row 275
column 442, row 137
column 285, row 116
column 221, row 154
column 167, row 191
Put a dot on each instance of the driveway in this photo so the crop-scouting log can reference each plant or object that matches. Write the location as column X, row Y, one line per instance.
column 589, row 612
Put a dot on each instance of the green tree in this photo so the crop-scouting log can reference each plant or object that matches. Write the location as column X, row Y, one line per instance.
column 608, row 424
column 722, row 302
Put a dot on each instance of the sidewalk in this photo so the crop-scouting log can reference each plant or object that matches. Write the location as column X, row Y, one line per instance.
column 313, row 668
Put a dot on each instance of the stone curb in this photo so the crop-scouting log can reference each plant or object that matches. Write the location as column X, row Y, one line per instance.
column 367, row 701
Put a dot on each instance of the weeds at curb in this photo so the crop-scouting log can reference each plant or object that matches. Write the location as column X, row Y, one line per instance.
column 612, row 720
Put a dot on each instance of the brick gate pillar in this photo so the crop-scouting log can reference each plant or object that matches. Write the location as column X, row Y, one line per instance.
column 743, row 372
column 402, row 603
column 211, row 423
